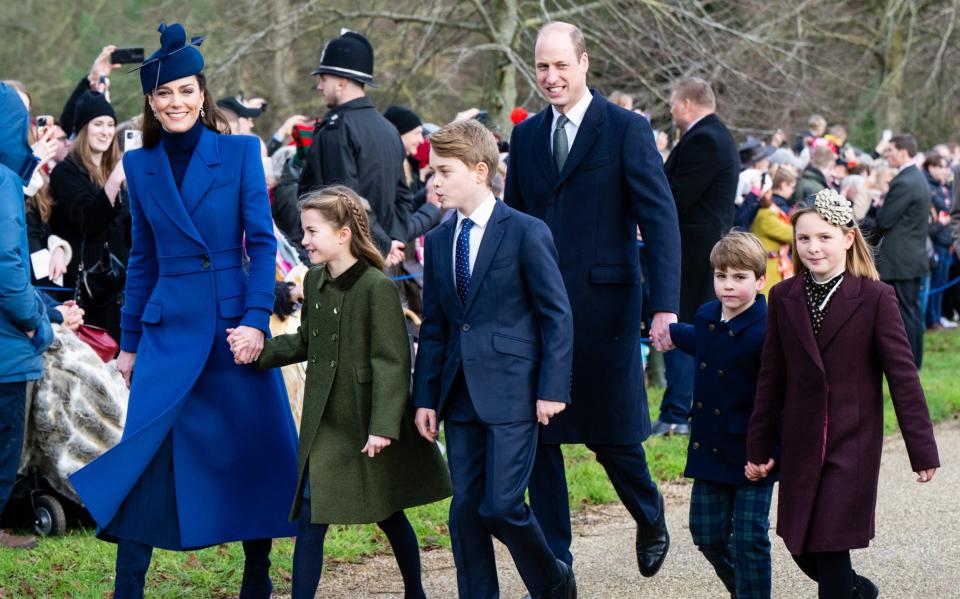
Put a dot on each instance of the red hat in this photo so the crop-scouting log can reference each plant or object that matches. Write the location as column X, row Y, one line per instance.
column 518, row 115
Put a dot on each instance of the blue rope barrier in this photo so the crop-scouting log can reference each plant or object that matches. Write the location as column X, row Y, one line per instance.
column 405, row 277
column 943, row 288
column 57, row 289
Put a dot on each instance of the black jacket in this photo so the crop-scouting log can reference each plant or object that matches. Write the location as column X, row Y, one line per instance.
column 903, row 226
column 356, row 146
column 703, row 170
column 84, row 217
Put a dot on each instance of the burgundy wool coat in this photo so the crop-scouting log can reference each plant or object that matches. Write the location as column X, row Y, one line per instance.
column 828, row 390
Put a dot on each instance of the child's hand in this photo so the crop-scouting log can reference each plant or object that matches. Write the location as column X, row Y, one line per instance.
column 925, row 476
column 753, row 472
column 375, row 445
column 426, row 421
column 548, row 409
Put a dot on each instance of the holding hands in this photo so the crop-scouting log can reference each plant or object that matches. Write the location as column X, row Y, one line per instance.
column 753, row 472
column 246, row 343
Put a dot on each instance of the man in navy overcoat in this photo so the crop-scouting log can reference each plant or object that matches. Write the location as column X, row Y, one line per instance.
column 594, row 180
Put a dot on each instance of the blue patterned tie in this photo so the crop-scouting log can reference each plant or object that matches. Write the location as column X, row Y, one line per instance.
column 463, row 260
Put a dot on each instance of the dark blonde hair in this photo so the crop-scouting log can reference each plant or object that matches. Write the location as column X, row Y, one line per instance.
column 83, row 155
column 469, row 142
column 739, row 250
column 859, row 257
column 342, row 207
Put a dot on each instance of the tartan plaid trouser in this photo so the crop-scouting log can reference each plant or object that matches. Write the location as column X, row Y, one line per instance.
column 729, row 524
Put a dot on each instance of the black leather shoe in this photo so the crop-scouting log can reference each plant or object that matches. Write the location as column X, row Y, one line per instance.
column 566, row 588
column 865, row 589
column 653, row 541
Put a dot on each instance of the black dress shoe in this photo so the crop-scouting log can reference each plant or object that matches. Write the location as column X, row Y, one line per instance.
column 865, row 589
column 653, row 541
column 566, row 588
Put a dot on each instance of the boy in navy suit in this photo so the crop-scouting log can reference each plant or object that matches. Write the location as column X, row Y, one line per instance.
column 729, row 515
column 494, row 360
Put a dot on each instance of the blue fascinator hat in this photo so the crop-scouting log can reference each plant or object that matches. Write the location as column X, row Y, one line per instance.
column 174, row 60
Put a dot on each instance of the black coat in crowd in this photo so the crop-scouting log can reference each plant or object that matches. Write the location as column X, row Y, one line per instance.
column 356, row 146
column 703, row 170
column 903, row 226
column 85, row 218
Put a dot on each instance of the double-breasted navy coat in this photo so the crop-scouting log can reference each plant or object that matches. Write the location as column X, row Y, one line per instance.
column 611, row 182
column 728, row 361
column 828, row 392
column 233, row 437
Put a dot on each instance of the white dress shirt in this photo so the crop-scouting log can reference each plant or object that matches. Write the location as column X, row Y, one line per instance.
column 574, row 118
column 480, row 218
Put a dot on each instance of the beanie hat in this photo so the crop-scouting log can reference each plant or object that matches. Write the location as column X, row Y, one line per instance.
column 174, row 60
column 518, row 115
column 403, row 118
column 91, row 105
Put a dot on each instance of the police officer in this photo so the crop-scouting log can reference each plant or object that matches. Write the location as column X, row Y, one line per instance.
column 356, row 146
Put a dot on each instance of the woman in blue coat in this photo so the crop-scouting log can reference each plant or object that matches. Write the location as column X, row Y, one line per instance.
column 208, row 453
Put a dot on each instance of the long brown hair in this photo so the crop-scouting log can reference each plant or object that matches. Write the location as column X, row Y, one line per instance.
column 212, row 119
column 342, row 207
column 859, row 257
column 83, row 155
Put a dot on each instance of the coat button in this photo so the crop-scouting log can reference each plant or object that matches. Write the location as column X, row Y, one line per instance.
column 711, row 326
column 336, row 310
column 313, row 359
column 703, row 365
column 716, row 412
column 699, row 405
column 205, row 261
column 333, row 337
column 317, row 305
column 731, row 333
column 696, row 445
column 719, row 373
column 465, row 328
column 315, row 332
column 333, row 363
column 715, row 450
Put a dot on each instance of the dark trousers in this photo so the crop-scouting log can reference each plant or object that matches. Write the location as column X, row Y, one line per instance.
column 626, row 465
column 680, row 370
column 908, row 296
column 938, row 278
column 133, row 561
column 729, row 525
column 13, row 405
column 490, row 467
column 832, row 572
column 308, row 554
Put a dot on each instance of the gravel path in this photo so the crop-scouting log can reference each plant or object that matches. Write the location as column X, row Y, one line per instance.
column 916, row 552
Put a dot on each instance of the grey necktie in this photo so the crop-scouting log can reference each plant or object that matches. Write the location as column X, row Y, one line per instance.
column 560, row 146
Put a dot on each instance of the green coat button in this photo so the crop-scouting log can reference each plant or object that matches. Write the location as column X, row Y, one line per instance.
column 336, row 310
column 333, row 363
column 333, row 337
column 313, row 359
column 315, row 332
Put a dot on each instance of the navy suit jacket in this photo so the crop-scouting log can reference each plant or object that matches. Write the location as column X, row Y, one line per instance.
column 513, row 337
column 611, row 183
column 728, row 363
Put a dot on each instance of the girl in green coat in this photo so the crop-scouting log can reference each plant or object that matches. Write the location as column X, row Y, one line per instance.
column 360, row 458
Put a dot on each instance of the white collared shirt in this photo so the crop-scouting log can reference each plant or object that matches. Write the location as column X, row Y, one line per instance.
column 574, row 118
column 480, row 217
column 691, row 125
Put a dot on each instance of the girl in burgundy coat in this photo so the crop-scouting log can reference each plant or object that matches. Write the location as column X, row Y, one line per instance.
column 832, row 334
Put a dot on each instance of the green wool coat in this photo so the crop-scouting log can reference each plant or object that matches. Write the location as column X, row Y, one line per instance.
column 354, row 339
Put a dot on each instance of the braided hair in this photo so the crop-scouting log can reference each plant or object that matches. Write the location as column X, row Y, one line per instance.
column 342, row 207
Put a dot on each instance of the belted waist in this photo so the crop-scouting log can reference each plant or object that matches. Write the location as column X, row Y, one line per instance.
column 216, row 260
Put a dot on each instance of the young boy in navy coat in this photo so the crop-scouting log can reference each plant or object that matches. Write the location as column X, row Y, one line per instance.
column 494, row 360
column 729, row 515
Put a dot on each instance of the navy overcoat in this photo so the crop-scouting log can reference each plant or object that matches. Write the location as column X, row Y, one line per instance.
column 234, row 441
column 612, row 181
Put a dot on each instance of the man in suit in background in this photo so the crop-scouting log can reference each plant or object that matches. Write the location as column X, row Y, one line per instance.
column 590, row 169
column 902, row 227
column 703, row 171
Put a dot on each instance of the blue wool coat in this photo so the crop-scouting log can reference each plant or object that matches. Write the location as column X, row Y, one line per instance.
column 728, row 363
column 234, row 441
column 611, row 183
